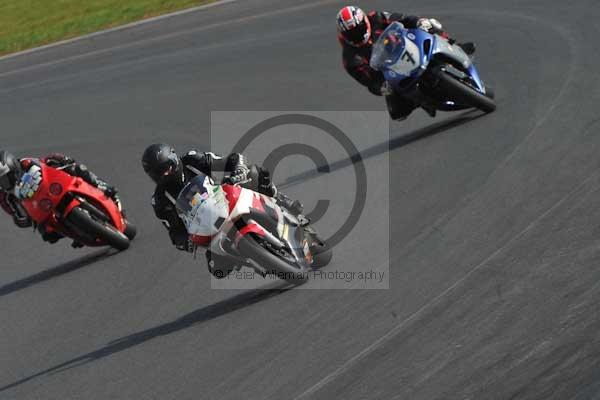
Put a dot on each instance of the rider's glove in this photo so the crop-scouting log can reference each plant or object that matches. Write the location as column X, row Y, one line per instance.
column 386, row 89
column 265, row 185
column 430, row 25
column 239, row 174
column 435, row 24
column 424, row 24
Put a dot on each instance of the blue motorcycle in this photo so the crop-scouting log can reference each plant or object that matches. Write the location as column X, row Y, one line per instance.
column 428, row 70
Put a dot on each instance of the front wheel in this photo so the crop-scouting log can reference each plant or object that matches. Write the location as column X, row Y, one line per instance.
column 250, row 247
column 463, row 93
column 98, row 230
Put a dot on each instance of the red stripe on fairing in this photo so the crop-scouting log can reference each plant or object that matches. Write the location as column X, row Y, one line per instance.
column 258, row 203
column 233, row 195
column 248, row 229
column 252, row 228
column 200, row 240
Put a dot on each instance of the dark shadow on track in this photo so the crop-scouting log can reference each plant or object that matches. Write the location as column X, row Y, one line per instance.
column 195, row 317
column 381, row 148
column 54, row 272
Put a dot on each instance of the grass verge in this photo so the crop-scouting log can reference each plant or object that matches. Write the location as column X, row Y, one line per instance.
column 30, row 23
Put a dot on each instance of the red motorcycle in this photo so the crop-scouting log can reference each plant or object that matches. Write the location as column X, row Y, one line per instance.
column 72, row 207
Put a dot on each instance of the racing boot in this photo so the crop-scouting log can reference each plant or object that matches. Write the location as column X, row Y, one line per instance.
column 49, row 237
column 109, row 191
column 267, row 187
column 468, row 47
column 293, row 206
column 91, row 178
column 112, row 193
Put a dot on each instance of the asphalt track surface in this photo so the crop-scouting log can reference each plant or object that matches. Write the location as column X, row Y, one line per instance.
column 493, row 226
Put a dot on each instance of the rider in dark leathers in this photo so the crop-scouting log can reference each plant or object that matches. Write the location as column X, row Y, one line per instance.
column 358, row 32
column 11, row 169
column 171, row 172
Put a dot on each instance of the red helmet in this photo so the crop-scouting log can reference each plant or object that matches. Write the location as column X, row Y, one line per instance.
column 354, row 26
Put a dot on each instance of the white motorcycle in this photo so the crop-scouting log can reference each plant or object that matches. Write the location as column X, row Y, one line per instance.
column 251, row 230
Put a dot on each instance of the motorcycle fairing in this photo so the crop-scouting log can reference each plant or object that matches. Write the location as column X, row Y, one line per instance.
column 404, row 64
column 73, row 188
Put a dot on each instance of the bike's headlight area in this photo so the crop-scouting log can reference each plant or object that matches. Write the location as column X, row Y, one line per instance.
column 56, row 189
column 46, row 205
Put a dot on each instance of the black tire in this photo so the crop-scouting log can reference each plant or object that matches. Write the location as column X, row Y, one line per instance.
column 322, row 253
column 398, row 107
column 130, row 230
column 465, row 94
column 101, row 230
column 249, row 247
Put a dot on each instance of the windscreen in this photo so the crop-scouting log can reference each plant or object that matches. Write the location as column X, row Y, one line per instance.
column 389, row 47
column 187, row 197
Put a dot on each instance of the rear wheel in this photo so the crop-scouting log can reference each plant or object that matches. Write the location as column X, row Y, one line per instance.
column 106, row 233
column 463, row 93
column 253, row 247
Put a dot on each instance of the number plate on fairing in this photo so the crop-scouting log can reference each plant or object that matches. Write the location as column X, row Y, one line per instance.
column 408, row 61
column 30, row 183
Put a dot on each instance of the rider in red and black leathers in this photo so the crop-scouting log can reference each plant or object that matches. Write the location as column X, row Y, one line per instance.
column 11, row 169
column 356, row 58
column 358, row 32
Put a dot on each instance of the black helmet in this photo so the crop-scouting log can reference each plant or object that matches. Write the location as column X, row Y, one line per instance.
column 162, row 164
column 10, row 170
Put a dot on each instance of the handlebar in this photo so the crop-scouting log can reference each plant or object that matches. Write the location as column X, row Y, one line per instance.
column 232, row 180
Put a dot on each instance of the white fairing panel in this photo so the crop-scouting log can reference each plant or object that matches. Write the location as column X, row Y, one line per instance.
column 243, row 204
column 207, row 213
column 409, row 60
column 442, row 46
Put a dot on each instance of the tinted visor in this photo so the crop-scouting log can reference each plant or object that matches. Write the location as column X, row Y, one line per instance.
column 164, row 171
column 357, row 34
